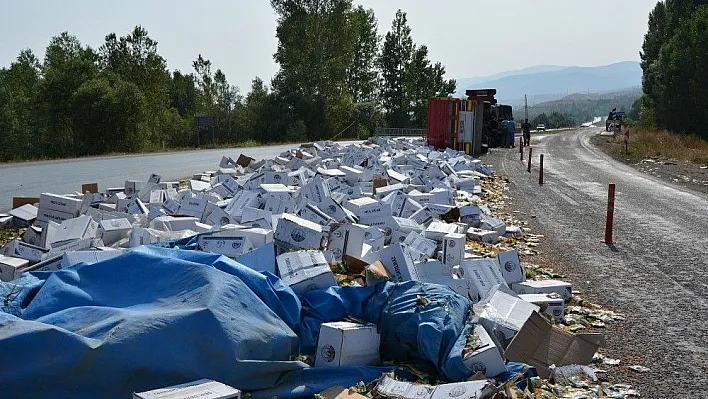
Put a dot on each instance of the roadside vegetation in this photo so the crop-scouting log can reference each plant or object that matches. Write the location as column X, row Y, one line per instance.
column 337, row 79
column 658, row 144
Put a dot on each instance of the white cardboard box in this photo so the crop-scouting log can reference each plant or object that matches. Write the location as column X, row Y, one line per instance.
column 83, row 227
column 26, row 213
column 298, row 232
column 305, row 271
column 510, row 267
column 347, row 344
column 61, row 203
column 487, row 359
column 437, row 230
column 483, row 273
column 23, row 250
column 552, row 303
column 202, row 389
column 399, row 264
column 484, row 236
column 503, row 314
column 231, row 246
column 421, row 244
column 114, row 230
column 392, row 389
column 453, row 249
column 565, row 290
column 11, row 268
column 46, row 215
column 72, row 258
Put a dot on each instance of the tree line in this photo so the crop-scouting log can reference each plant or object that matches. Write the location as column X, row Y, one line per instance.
column 337, row 78
column 674, row 61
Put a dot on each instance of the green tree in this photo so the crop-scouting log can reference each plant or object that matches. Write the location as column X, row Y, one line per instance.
column 67, row 66
column 671, row 61
column 394, row 61
column 109, row 114
column 18, row 86
column 422, row 81
column 362, row 75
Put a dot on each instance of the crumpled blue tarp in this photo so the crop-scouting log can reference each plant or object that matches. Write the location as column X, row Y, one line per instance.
column 155, row 317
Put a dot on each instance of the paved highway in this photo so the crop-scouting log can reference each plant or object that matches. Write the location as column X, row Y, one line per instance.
column 29, row 179
column 655, row 271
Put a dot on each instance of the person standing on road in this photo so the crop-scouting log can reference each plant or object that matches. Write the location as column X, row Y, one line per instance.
column 509, row 128
column 526, row 129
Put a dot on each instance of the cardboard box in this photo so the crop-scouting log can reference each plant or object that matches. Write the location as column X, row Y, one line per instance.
column 72, row 258
column 421, row 244
column 347, row 344
column 46, row 215
column 423, row 217
column 314, row 214
column 563, row 289
column 26, row 213
column 367, row 209
column 389, row 388
column 399, row 263
column 241, row 200
column 260, row 259
column 484, row 236
column 437, row 230
column 352, row 175
column 198, row 186
column 257, row 236
column 171, row 223
column 278, row 207
column 298, row 232
column 540, row 345
column 202, row 389
column 11, row 268
column 345, row 239
column 218, row 218
column 503, row 314
column 33, row 236
column 19, row 201
column 132, row 187
column 453, row 249
column 83, row 227
column 114, row 230
column 550, row 304
column 23, row 250
column 136, row 207
column 61, row 203
column 483, row 273
column 231, row 246
column 339, row 392
column 305, row 271
column 510, row 267
column 493, row 224
column 193, row 207
column 487, row 359
column 316, row 190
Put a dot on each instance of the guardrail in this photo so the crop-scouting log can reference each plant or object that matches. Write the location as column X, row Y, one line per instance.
column 400, row 132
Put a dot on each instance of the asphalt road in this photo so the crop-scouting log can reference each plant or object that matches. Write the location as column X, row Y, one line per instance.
column 656, row 270
column 29, row 179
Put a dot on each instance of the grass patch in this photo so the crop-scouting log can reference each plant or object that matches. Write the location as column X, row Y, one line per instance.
column 654, row 143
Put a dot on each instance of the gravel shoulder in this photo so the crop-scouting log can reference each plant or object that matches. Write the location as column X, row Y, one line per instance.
column 654, row 274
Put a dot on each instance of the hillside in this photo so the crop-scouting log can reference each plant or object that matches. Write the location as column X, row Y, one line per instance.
column 549, row 84
column 582, row 107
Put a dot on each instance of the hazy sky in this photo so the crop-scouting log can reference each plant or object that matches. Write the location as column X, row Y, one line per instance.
column 472, row 38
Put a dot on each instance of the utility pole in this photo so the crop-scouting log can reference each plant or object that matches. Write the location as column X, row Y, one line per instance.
column 526, row 107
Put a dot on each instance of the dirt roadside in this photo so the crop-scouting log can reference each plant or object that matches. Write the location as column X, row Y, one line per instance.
column 691, row 176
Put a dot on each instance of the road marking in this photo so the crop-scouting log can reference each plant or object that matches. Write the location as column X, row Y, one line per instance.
column 564, row 197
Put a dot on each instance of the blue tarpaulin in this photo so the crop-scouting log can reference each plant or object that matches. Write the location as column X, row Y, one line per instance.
column 155, row 317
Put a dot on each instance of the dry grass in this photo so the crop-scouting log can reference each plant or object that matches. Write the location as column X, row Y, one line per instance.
column 653, row 143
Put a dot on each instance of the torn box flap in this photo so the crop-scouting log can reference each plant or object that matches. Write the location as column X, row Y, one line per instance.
column 540, row 345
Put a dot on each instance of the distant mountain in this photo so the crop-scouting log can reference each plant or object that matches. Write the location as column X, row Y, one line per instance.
column 552, row 83
column 469, row 82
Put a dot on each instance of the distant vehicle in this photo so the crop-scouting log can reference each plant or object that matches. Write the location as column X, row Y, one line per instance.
column 541, row 128
column 614, row 120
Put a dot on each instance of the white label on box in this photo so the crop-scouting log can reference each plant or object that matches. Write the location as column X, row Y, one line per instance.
column 399, row 264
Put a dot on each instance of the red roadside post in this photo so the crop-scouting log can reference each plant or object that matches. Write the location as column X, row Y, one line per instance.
column 540, row 171
column 610, row 213
column 530, row 152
